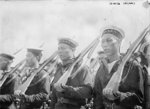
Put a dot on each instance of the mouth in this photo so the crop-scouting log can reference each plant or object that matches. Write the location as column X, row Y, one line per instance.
column 62, row 56
column 106, row 50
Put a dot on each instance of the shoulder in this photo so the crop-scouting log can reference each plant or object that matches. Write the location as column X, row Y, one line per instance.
column 83, row 72
column 133, row 63
column 133, row 68
column 83, row 69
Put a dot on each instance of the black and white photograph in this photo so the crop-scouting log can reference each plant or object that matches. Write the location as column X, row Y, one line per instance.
column 74, row 54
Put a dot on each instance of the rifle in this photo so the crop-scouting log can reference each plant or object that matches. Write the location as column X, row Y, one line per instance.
column 11, row 72
column 88, row 57
column 5, row 75
column 20, row 63
column 23, row 87
column 116, row 77
column 17, row 51
column 63, row 79
column 49, row 72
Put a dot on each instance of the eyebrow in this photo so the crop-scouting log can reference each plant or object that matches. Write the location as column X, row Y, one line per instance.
column 107, row 38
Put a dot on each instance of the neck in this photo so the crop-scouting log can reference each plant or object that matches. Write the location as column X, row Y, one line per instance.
column 113, row 57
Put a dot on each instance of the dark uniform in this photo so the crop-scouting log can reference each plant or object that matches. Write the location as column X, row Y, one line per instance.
column 7, row 90
column 144, row 63
column 131, row 84
column 6, row 94
column 37, row 91
column 131, row 88
column 75, row 91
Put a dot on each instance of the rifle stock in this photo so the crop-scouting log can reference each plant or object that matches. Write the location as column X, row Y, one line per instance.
column 11, row 72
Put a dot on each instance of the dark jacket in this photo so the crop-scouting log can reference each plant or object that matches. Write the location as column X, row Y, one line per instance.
column 75, row 91
column 6, row 93
column 37, row 92
column 132, row 84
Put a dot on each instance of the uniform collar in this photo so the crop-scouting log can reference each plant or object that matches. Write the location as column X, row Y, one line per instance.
column 120, row 57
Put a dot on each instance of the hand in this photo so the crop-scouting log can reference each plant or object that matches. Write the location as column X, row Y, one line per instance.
column 64, row 86
column 138, row 107
column 59, row 87
column 124, row 95
column 108, row 92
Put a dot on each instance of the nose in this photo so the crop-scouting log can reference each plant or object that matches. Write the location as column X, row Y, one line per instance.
column 104, row 44
column 60, row 52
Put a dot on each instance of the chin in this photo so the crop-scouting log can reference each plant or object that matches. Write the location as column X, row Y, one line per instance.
column 108, row 54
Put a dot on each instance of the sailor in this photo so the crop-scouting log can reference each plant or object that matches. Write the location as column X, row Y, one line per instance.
column 6, row 90
column 131, row 91
column 37, row 91
column 72, row 95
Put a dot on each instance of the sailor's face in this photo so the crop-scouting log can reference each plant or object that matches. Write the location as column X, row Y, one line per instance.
column 30, row 58
column 110, row 44
column 4, row 63
column 64, row 52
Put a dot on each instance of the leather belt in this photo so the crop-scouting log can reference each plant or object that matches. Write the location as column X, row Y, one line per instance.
column 67, row 101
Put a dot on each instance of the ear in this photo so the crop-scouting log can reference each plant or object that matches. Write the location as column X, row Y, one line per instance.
column 39, row 57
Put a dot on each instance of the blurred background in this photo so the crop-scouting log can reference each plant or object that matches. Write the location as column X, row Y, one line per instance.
column 30, row 24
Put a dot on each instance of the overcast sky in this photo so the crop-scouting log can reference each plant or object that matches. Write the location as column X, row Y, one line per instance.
column 30, row 24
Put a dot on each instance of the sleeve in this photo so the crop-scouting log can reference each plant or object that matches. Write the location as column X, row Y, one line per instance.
column 6, row 99
column 97, row 94
column 10, row 85
column 36, row 98
column 83, row 90
column 43, row 88
column 135, row 86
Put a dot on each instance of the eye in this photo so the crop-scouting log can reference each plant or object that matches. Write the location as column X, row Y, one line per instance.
column 103, row 41
column 59, row 48
column 109, row 40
